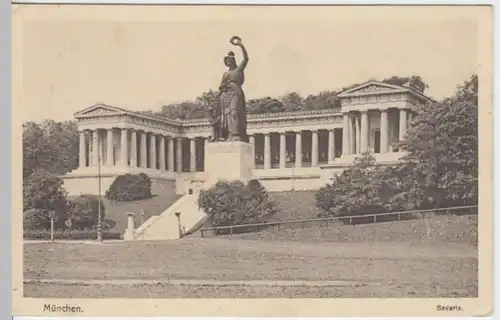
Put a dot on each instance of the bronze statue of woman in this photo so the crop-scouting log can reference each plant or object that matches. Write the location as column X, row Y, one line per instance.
column 232, row 97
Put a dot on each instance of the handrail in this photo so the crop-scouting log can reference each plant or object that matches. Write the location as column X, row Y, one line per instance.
column 374, row 215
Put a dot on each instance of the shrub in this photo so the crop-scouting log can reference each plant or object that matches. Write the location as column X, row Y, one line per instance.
column 230, row 203
column 43, row 192
column 86, row 234
column 129, row 187
column 363, row 189
column 83, row 212
column 35, row 219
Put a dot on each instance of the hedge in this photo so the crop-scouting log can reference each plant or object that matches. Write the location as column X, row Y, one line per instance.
column 74, row 234
column 130, row 187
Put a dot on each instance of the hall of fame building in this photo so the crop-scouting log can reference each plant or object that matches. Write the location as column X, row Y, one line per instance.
column 291, row 150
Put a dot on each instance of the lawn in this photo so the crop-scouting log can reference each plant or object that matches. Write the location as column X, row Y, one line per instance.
column 417, row 269
column 436, row 229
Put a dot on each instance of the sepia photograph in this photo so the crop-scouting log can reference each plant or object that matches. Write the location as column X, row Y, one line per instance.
column 252, row 160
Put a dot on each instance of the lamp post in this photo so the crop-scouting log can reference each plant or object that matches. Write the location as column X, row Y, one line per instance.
column 99, row 218
column 52, row 216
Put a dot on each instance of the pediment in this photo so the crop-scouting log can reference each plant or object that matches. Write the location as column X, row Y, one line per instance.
column 98, row 110
column 372, row 87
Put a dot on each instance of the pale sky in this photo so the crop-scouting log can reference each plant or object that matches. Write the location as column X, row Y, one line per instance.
column 143, row 61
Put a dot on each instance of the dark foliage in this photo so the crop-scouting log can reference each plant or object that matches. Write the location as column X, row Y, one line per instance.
column 230, row 203
column 440, row 169
column 84, row 213
column 51, row 146
column 43, row 192
column 87, row 234
column 130, row 187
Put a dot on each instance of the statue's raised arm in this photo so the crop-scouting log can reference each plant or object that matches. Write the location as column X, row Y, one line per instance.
column 237, row 42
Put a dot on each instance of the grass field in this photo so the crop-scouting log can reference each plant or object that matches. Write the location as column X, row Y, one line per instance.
column 436, row 229
column 370, row 269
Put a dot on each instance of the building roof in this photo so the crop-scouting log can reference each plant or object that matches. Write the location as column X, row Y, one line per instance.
column 372, row 87
column 107, row 110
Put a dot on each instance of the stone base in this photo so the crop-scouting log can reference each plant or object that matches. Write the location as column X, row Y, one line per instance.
column 380, row 158
column 228, row 160
column 85, row 180
column 128, row 235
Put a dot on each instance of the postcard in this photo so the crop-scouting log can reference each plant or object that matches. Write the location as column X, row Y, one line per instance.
column 251, row 160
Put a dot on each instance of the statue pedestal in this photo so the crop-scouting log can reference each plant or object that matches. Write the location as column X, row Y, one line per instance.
column 228, row 160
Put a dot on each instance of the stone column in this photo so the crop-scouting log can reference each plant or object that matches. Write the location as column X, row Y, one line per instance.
column 179, row 154
column 364, row 131
column 101, row 150
column 345, row 135
column 144, row 156
column 83, row 150
column 298, row 149
column 314, row 149
column 124, row 147
column 267, row 151
column 152, row 151
column 403, row 124
column 331, row 145
column 170, row 164
column 357, row 126
column 384, row 131
column 352, row 135
column 95, row 147
column 192, row 155
column 109, row 147
column 282, row 150
column 252, row 142
column 162, row 152
column 133, row 148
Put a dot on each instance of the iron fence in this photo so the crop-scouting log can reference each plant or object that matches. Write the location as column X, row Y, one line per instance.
column 349, row 220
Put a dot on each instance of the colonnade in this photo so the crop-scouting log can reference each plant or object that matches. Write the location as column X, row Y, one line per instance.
column 356, row 126
column 126, row 147
column 297, row 149
column 370, row 130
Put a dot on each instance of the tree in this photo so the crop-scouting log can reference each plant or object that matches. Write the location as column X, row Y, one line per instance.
column 440, row 170
column 206, row 98
column 443, row 146
column 51, row 145
column 414, row 82
column 43, row 191
column 258, row 208
column 232, row 202
column 292, row 101
column 322, row 100
column 264, row 105
column 358, row 190
column 66, row 143
column 32, row 147
column 84, row 212
column 36, row 219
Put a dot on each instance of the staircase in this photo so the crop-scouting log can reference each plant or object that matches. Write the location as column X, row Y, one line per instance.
column 166, row 225
column 291, row 205
column 116, row 210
